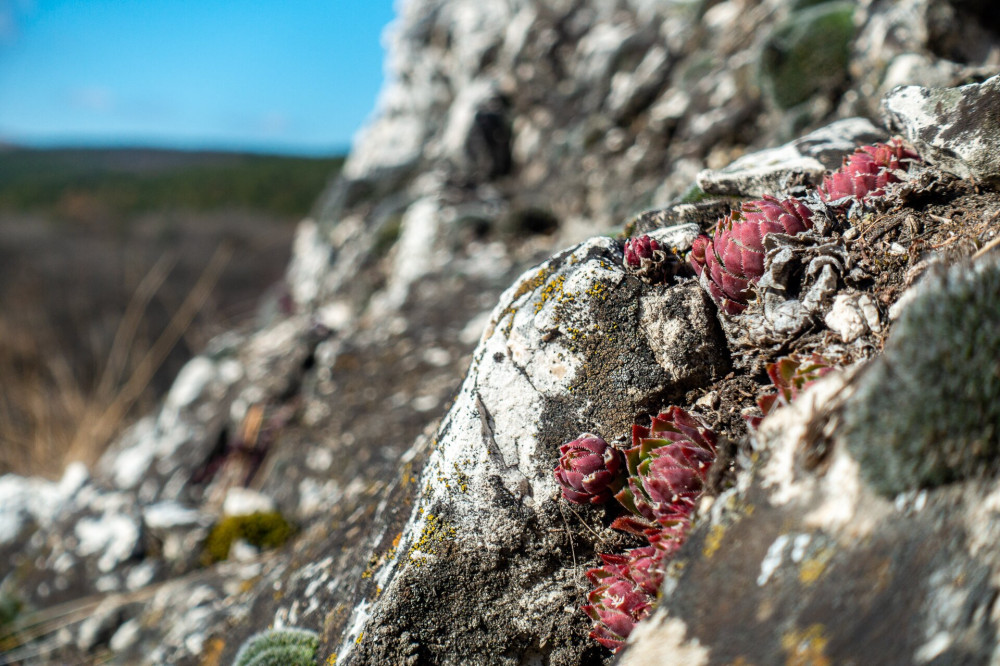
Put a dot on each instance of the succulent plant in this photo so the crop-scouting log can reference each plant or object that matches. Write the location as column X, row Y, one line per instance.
column 867, row 171
column 590, row 470
column 790, row 376
column 624, row 592
column 648, row 259
column 279, row 647
column 667, row 465
column 734, row 255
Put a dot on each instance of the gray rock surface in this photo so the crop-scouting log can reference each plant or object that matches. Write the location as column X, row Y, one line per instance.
column 788, row 168
column 957, row 129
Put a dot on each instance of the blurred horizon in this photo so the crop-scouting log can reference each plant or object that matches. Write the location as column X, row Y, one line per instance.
column 283, row 79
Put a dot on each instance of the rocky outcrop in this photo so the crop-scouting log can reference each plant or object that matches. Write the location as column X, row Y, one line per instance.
column 428, row 527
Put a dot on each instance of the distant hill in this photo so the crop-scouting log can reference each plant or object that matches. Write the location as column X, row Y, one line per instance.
column 110, row 183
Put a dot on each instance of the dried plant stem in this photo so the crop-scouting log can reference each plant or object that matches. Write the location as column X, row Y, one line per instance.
column 99, row 427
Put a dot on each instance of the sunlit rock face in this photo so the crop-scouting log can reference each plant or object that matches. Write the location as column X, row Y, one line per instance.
column 458, row 307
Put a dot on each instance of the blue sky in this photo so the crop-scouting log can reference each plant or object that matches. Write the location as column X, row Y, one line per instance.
column 290, row 76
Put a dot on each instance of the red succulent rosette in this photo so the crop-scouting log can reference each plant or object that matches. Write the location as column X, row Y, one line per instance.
column 734, row 256
column 625, row 589
column 790, row 375
column 667, row 465
column 590, row 470
column 867, row 171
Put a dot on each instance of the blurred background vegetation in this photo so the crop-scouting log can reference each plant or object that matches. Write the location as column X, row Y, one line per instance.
column 116, row 265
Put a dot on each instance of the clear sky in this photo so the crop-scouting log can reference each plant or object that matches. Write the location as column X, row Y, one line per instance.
column 290, row 76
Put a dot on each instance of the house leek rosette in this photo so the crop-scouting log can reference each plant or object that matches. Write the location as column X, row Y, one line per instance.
column 647, row 258
column 667, row 465
column 590, row 470
column 624, row 591
column 790, row 375
column 867, row 171
column 733, row 258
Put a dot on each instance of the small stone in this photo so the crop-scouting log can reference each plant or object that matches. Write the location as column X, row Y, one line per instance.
column 795, row 164
column 243, row 502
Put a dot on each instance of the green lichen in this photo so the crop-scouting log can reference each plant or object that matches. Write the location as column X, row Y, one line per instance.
column 279, row 647
column 809, row 53
column 263, row 530
column 927, row 412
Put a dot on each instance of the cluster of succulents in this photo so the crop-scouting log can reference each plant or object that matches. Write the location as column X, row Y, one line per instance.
column 647, row 258
column 624, row 590
column 660, row 485
column 791, row 375
column 279, row 647
column 731, row 260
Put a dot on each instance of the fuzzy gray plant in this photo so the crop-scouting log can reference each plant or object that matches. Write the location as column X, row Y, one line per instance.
column 279, row 647
column 927, row 411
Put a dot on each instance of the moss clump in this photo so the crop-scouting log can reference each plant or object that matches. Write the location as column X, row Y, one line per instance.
column 279, row 647
column 927, row 412
column 387, row 234
column 809, row 53
column 263, row 530
column 10, row 608
column 694, row 195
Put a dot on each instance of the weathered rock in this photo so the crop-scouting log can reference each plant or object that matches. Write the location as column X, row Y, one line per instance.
column 956, row 129
column 568, row 349
column 802, row 162
column 813, row 556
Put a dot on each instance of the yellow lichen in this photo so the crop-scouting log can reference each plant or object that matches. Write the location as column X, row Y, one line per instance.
column 713, row 541
column 813, row 567
column 806, row 647
column 436, row 532
column 212, row 651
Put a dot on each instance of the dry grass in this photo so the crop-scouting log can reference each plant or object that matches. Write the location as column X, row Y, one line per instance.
column 49, row 415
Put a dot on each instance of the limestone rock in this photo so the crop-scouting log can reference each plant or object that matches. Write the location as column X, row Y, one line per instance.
column 801, row 162
column 957, row 129
column 570, row 347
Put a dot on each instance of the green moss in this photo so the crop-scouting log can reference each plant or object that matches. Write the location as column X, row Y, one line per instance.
column 10, row 608
column 927, row 412
column 279, row 647
column 694, row 195
column 263, row 530
column 809, row 53
column 388, row 234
